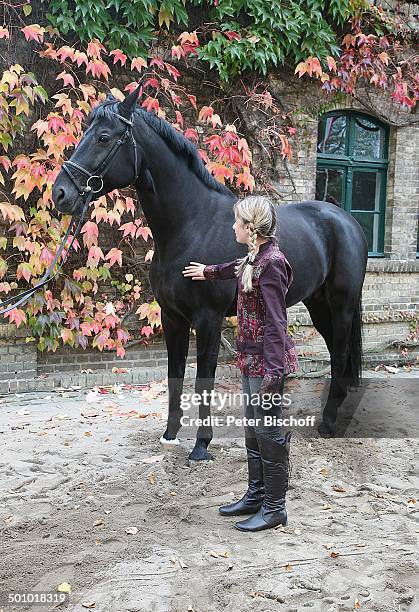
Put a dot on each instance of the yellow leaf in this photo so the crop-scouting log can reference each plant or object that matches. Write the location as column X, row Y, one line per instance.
column 165, row 16
column 64, row 587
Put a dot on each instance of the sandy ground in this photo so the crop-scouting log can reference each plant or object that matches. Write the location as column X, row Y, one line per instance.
column 89, row 497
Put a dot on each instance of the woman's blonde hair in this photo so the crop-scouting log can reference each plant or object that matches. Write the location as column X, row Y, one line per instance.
column 259, row 212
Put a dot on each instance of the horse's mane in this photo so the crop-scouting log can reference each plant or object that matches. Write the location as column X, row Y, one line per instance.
column 174, row 139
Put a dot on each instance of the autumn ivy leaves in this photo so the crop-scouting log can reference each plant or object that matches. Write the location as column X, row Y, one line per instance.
column 80, row 310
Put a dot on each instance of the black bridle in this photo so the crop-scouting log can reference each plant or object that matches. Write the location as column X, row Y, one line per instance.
column 87, row 192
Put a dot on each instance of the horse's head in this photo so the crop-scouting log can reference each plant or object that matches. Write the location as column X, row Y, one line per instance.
column 106, row 157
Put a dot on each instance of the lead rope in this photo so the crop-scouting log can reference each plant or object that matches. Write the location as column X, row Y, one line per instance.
column 25, row 296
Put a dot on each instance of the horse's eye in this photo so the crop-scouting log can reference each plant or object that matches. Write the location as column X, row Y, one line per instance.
column 104, row 138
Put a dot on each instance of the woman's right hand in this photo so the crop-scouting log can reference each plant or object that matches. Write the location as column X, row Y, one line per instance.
column 195, row 271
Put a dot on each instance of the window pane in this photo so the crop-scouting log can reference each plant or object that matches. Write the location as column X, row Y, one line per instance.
column 366, row 190
column 369, row 139
column 332, row 135
column 370, row 224
column 329, row 185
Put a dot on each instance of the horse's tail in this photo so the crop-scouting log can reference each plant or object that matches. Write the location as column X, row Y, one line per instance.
column 355, row 348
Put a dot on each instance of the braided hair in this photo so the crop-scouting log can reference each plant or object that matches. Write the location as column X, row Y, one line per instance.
column 260, row 215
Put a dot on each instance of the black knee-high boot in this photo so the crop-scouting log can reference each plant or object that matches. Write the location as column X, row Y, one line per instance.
column 275, row 462
column 253, row 498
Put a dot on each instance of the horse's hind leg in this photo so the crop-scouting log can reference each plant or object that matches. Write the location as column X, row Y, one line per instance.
column 208, row 335
column 343, row 310
column 176, row 334
column 320, row 314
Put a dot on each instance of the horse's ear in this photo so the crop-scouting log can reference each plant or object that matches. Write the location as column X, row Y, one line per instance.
column 127, row 106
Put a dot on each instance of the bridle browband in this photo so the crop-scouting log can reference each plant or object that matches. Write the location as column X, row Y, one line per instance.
column 87, row 192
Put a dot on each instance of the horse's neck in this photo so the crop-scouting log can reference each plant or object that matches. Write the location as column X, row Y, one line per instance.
column 179, row 196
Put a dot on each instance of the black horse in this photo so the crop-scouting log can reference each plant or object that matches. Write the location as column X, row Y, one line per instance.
column 191, row 215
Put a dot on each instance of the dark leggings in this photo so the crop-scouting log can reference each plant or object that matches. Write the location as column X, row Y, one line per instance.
column 257, row 408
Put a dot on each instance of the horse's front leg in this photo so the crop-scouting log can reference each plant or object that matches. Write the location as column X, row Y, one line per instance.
column 208, row 335
column 176, row 334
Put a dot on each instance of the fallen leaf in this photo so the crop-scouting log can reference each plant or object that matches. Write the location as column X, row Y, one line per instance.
column 64, row 587
column 288, row 567
column 217, row 555
column 151, row 478
column 98, row 522
column 87, row 434
column 131, row 530
column 155, row 459
column 323, row 471
column 92, row 397
column 23, row 412
column 89, row 605
column 357, row 604
column 327, row 507
column 88, row 413
column 339, row 489
column 334, row 555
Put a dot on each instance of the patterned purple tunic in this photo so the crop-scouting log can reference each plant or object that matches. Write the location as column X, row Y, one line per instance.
column 264, row 348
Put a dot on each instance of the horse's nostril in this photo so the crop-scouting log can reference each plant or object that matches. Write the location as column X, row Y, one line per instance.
column 59, row 196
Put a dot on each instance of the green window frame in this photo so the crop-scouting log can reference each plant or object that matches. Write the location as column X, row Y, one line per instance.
column 352, row 164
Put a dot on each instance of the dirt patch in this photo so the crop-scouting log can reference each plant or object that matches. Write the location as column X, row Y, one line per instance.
column 75, row 476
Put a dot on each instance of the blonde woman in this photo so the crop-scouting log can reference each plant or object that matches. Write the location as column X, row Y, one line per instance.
column 265, row 355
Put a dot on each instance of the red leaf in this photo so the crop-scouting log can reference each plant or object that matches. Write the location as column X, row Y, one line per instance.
column 113, row 256
column 67, row 78
column 151, row 104
column 205, row 113
column 191, row 134
column 192, row 100
column 118, row 56
column 95, row 48
column 157, row 61
column 91, row 232
column 174, row 72
column 179, row 119
column 232, row 35
column 138, row 63
column 33, row 32
column 146, row 331
column 98, row 68
column 16, row 316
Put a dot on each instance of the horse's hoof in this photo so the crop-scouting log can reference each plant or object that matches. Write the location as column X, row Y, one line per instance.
column 198, row 455
column 172, row 442
column 326, row 431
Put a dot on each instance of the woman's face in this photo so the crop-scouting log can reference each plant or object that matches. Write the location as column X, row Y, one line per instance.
column 242, row 231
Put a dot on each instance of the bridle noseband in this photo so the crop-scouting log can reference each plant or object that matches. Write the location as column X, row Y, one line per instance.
column 87, row 192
